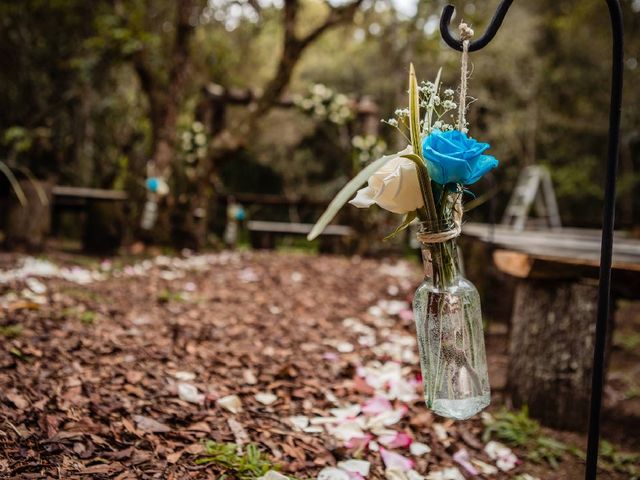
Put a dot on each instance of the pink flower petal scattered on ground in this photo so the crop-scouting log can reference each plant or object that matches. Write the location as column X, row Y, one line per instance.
column 395, row 440
column 330, row 356
column 376, row 405
column 464, row 460
column 504, row 457
column 395, row 460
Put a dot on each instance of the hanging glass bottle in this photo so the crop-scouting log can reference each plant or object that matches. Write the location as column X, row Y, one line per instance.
column 450, row 334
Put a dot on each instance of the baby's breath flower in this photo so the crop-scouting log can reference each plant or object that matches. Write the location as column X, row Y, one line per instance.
column 392, row 121
column 448, row 92
column 402, row 112
column 449, row 105
column 436, row 100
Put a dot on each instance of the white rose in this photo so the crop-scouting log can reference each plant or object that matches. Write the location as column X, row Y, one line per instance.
column 394, row 187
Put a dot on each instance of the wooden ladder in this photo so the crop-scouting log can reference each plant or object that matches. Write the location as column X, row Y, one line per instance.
column 534, row 188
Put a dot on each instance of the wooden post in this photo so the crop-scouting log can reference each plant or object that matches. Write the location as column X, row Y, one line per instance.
column 551, row 350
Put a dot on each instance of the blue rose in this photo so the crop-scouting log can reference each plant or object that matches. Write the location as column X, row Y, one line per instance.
column 452, row 157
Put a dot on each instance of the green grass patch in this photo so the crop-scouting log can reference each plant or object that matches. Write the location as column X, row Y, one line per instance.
column 165, row 296
column 627, row 340
column 10, row 331
column 248, row 464
column 88, row 317
column 517, row 429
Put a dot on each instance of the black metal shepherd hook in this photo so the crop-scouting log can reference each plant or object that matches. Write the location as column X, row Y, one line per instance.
column 608, row 214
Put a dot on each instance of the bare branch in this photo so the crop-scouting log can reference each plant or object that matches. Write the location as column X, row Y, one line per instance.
column 293, row 47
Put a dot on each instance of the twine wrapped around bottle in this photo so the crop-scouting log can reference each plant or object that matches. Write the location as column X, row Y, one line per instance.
column 454, row 232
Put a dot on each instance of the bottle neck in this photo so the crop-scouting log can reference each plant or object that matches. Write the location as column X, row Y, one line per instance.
column 441, row 263
column 440, row 259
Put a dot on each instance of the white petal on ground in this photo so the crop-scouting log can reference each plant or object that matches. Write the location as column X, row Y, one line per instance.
column 249, row 377
column 392, row 307
column 359, row 466
column 505, row 458
column 441, row 432
column 413, row 475
column 266, row 398
column 446, row 474
column 350, row 411
column 231, row 403
column 395, row 440
column 332, row 473
column 273, row 475
column 386, row 419
column 239, row 433
column 313, row 430
column 346, row 431
column 395, row 460
column 189, row 393
column 36, row 286
column 484, row 468
column 395, row 474
column 418, row 449
column 185, row 376
column 299, row 422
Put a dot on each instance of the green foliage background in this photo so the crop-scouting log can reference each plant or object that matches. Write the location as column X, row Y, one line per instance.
column 73, row 108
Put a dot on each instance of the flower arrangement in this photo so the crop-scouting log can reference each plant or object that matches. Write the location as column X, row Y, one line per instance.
column 426, row 179
column 425, row 182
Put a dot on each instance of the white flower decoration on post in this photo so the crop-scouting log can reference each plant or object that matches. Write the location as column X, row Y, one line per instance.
column 394, row 187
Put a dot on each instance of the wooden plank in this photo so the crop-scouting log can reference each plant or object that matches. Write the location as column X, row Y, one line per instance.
column 295, row 228
column 579, row 245
column 92, row 193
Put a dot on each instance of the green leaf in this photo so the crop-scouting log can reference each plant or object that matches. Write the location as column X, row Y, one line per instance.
column 348, row 190
column 14, row 183
column 414, row 110
column 414, row 126
column 409, row 217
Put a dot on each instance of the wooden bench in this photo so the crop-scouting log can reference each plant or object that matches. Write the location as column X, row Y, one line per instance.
column 103, row 209
column 554, row 276
column 263, row 233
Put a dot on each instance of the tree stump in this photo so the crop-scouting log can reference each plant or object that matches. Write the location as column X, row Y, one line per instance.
column 551, row 350
column 27, row 226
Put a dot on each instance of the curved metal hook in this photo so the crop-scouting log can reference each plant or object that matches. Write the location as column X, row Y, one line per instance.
column 494, row 25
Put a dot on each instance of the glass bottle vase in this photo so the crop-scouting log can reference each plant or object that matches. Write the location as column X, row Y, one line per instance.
column 448, row 320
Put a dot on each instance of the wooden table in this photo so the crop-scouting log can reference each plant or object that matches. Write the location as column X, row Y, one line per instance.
column 553, row 318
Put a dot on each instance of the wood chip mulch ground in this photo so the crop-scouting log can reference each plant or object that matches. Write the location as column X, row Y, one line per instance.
column 120, row 376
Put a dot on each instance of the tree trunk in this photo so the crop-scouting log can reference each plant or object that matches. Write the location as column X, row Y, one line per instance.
column 27, row 226
column 551, row 350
